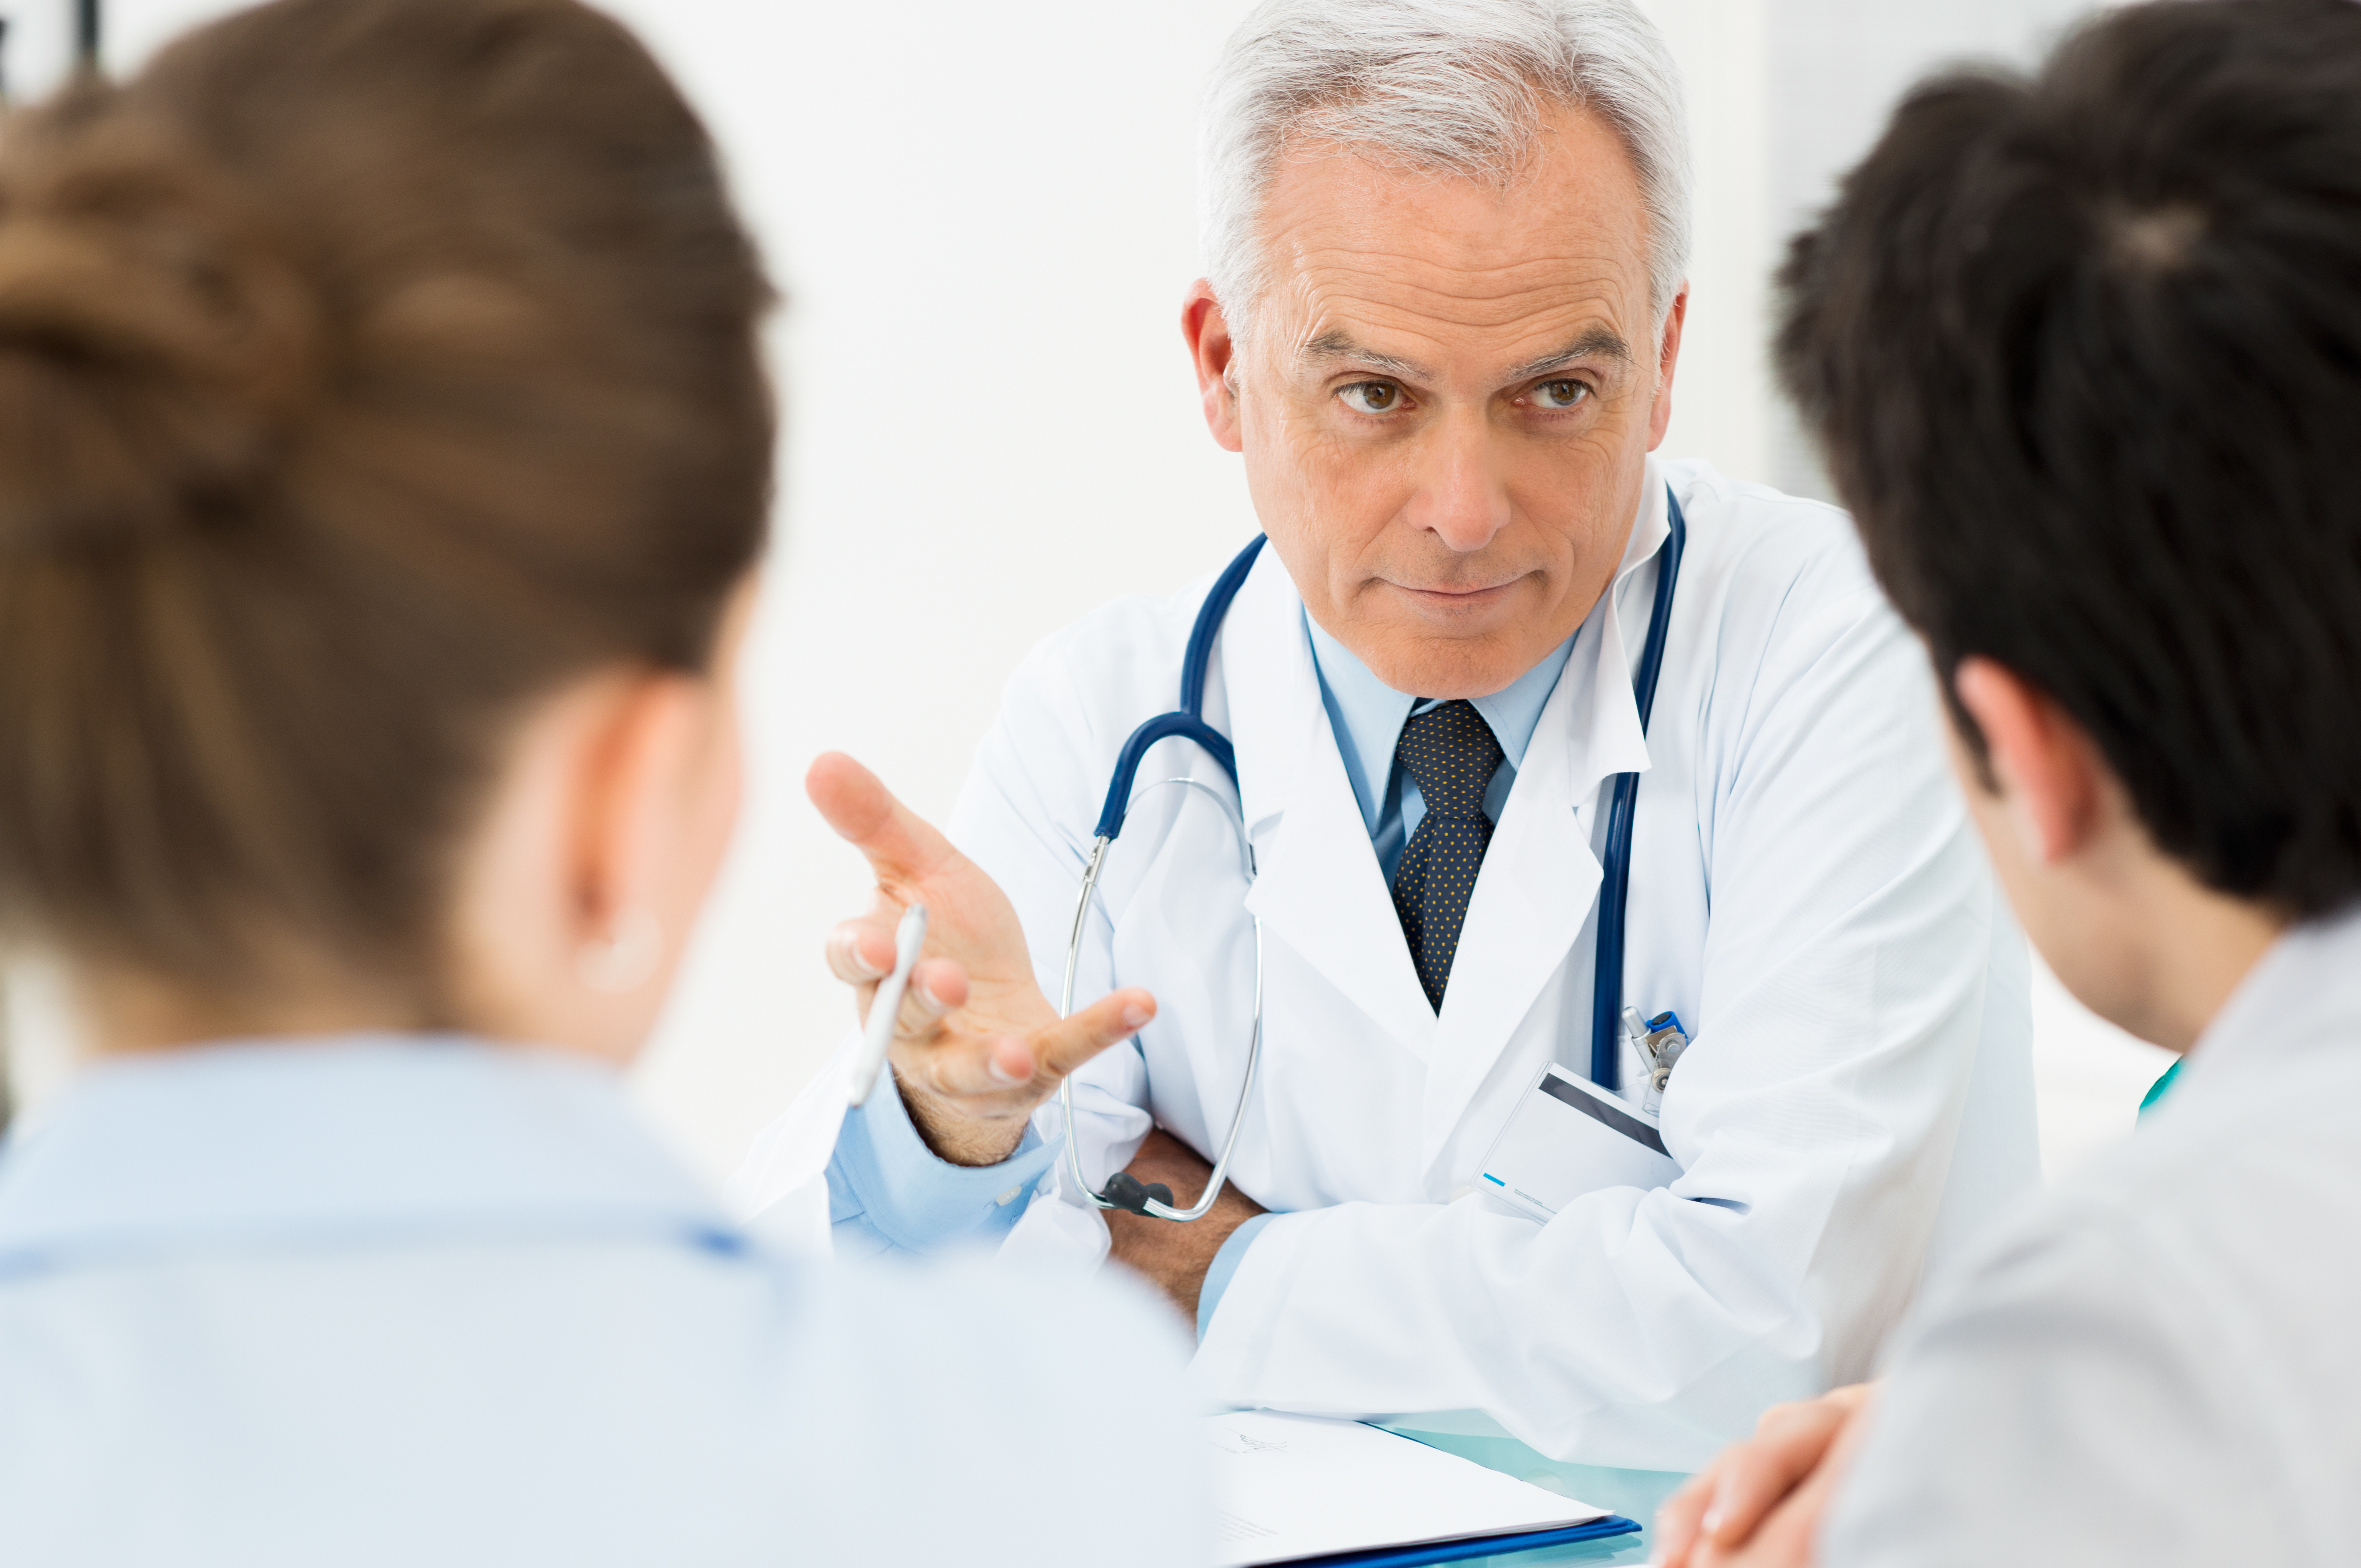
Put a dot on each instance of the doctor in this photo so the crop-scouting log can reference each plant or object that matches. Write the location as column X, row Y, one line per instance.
column 1447, row 242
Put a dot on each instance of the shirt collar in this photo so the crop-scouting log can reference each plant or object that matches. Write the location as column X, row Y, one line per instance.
column 1368, row 715
column 343, row 1137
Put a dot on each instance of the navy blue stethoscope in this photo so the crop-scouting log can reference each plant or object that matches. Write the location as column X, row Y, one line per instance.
column 1125, row 1190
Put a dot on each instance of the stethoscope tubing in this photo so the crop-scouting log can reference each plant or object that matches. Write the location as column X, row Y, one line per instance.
column 1150, row 1205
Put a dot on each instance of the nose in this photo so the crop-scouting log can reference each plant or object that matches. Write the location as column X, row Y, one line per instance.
column 1460, row 496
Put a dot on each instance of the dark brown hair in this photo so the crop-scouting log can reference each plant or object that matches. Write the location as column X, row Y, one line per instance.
column 2084, row 350
column 368, row 368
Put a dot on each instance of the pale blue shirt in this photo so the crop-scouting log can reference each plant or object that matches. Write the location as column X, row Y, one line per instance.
column 402, row 1300
column 888, row 1193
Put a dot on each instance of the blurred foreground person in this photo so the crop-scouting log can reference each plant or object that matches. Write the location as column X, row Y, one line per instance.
column 384, row 460
column 2086, row 356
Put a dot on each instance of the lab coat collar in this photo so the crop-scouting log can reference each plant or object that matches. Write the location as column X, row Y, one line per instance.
column 2304, row 995
column 357, row 1135
column 1318, row 887
column 1541, row 876
column 1603, row 731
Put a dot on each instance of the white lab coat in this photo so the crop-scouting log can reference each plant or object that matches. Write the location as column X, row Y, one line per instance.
column 1805, row 892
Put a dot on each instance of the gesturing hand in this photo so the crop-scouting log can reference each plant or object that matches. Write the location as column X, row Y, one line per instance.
column 976, row 1045
column 1758, row 1505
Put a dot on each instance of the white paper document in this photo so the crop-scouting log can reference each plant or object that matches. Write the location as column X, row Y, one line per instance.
column 1292, row 1486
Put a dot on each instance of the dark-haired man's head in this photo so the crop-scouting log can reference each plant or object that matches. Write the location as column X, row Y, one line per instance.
column 2084, row 353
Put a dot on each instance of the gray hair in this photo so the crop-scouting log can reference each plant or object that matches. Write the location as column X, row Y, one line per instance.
column 1454, row 87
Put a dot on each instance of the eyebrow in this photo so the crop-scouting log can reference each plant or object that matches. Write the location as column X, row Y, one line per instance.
column 1334, row 345
column 1595, row 343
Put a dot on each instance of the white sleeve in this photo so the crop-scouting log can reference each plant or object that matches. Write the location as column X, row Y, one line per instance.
column 1024, row 816
column 1813, row 1115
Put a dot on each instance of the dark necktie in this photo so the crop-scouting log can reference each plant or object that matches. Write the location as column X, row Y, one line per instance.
column 1449, row 751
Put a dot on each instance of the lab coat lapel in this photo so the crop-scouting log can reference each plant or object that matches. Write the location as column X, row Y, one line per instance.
column 1541, row 876
column 1317, row 885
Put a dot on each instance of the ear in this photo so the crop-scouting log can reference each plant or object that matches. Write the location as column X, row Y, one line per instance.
column 2048, row 777
column 1213, row 352
column 1668, row 353
column 638, row 772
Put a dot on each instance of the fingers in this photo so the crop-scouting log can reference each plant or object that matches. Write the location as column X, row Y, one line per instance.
column 1790, row 1536
column 937, row 985
column 1784, row 1539
column 1677, row 1521
column 861, row 952
column 1009, row 1074
column 1789, row 1442
column 902, row 847
column 1064, row 1045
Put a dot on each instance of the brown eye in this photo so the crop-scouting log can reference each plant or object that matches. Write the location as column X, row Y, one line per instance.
column 1563, row 394
column 1371, row 397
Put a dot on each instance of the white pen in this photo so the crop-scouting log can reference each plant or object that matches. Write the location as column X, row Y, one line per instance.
column 886, row 1005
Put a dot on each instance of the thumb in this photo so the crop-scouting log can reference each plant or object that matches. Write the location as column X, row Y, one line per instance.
column 1059, row 1047
column 901, row 845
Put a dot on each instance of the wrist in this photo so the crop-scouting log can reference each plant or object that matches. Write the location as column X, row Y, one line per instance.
column 958, row 1136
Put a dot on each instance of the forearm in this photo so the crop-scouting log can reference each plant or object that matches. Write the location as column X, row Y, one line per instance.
column 956, row 1136
column 1612, row 1336
column 1175, row 1255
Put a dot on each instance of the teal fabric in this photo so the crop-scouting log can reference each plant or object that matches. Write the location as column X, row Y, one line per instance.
column 2159, row 1089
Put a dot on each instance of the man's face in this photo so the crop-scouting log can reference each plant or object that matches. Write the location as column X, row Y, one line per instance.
column 1447, row 401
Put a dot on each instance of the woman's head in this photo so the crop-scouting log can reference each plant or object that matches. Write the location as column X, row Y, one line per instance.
column 384, row 445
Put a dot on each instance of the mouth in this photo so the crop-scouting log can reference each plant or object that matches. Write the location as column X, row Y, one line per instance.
column 1455, row 597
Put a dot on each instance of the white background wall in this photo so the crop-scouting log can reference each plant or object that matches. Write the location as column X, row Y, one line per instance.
column 983, row 218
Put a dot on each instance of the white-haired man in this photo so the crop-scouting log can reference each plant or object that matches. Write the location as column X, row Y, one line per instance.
column 1446, row 245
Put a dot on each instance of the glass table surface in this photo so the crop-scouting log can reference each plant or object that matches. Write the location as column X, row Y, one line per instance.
column 1634, row 1493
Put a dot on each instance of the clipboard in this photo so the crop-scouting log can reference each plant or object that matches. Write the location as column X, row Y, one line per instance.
column 1478, row 1546
column 1295, row 1491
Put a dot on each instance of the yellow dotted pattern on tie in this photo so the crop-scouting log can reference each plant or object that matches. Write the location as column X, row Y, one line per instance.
column 1449, row 753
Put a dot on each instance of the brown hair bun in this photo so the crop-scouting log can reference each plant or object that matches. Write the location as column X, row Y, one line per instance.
column 153, row 340
column 368, row 369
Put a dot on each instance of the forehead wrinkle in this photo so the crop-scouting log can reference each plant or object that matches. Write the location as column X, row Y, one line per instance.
column 1481, row 280
column 1570, row 324
column 1459, row 300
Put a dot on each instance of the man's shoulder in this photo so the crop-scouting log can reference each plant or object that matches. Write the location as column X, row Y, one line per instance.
column 1777, row 586
column 1122, row 658
column 2217, row 1224
column 1760, row 537
column 2145, row 1360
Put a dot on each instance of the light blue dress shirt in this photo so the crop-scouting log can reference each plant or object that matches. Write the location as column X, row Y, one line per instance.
column 402, row 1301
column 888, row 1193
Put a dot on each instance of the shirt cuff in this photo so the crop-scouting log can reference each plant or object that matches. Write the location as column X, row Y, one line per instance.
column 1224, row 1265
column 883, row 1175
